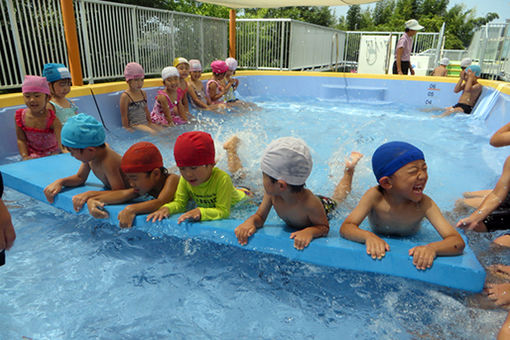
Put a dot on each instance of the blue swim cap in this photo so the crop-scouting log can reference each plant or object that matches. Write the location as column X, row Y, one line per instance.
column 54, row 72
column 390, row 157
column 82, row 131
column 475, row 69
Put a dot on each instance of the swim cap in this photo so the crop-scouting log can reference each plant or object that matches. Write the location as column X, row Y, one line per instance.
column 141, row 157
column 82, row 131
column 193, row 149
column 35, row 84
column 219, row 66
column 133, row 71
column 168, row 72
column 287, row 159
column 475, row 69
column 231, row 63
column 54, row 72
column 194, row 65
column 390, row 157
column 444, row 61
column 180, row 60
column 465, row 62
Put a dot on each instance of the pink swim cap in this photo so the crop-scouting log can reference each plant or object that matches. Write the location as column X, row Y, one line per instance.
column 35, row 84
column 133, row 71
column 194, row 65
column 219, row 66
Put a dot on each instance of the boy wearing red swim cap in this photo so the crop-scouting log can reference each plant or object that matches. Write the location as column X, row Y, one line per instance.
column 209, row 187
column 143, row 165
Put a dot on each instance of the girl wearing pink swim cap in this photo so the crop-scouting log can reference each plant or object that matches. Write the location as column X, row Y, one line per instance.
column 37, row 128
column 214, row 88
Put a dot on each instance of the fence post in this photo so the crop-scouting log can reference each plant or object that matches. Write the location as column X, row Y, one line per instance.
column 73, row 50
column 257, row 48
column 85, row 40
column 282, row 42
column 17, row 41
column 232, row 34
column 202, row 40
column 134, row 26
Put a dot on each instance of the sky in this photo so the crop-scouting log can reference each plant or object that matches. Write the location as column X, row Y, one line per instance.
column 502, row 7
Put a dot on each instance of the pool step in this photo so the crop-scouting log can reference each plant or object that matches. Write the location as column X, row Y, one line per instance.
column 354, row 93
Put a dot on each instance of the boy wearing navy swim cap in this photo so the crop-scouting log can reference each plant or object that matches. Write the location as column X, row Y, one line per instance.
column 398, row 205
column 84, row 137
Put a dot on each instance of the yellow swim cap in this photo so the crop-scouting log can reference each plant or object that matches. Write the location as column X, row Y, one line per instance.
column 180, row 60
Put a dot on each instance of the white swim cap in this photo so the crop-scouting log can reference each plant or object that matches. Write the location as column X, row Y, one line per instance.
column 168, row 72
column 231, row 63
column 444, row 61
column 465, row 62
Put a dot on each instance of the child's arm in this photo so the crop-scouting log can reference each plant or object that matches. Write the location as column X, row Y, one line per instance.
column 177, row 205
column 491, row 201
column 254, row 222
column 501, row 137
column 124, row 103
column 376, row 247
column 146, row 108
column 451, row 244
column 319, row 226
column 72, row 181
column 166, row 108
column 195, row 98
column 213, row 92
column 460, row 83
column 57, row 128
column 184, row 102
column 96, row 204
column 181, row 111
column 22, row 143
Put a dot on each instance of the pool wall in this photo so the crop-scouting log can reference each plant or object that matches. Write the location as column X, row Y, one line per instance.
column 102, row 100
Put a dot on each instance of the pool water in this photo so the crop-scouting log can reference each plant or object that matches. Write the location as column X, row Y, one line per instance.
column 75, row 277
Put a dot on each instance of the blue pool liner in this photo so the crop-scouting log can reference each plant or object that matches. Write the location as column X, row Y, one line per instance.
column 460, row 272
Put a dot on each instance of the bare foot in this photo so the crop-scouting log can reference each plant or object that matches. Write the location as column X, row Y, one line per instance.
column 354, row 158
column 500, row 270
column 232, row 143
column 503, row 241
column 499, row 293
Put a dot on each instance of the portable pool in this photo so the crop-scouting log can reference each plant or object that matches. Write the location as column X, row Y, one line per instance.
column 151, row 283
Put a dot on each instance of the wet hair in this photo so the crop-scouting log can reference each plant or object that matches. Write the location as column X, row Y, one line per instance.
column 293, row 188
column 102, row 146
column 163, row 170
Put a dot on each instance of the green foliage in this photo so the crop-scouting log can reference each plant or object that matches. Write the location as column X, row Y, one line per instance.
column 314, row 15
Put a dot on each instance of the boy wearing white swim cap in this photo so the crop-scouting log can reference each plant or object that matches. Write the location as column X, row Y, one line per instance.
column 286, row 164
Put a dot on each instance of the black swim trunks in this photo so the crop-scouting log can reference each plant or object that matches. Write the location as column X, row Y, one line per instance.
column 466, row 108
column 329, row 205
column 405, row 65
column 499, row 219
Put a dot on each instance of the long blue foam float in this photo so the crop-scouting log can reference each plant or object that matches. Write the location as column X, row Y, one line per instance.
column 461, row 272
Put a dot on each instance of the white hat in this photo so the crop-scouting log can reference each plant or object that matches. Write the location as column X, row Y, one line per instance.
column 231, row 63
column 413, row 25
column 465, row 62
column 444, row 61
column 287, row 159
column 168, row 72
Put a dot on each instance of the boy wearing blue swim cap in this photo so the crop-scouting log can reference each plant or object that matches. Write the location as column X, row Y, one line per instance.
column 84, row 137
column 398, row 205
column 471, row 90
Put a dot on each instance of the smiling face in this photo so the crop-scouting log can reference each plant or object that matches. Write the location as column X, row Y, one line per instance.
column 35, row 101
column 60, row 88
column 409, row 181
column 196, row 175
column 135, row 84
column 171, row 83
column 183, row 69
column 195, row 75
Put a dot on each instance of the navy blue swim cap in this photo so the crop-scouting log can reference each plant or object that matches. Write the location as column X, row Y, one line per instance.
column 391, row 156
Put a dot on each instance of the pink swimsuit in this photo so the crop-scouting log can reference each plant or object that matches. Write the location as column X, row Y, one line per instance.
column 40, row 143
column 219, row 88
column 157, row 114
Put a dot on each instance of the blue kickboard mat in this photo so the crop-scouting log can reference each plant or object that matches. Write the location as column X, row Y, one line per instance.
column 461, row 272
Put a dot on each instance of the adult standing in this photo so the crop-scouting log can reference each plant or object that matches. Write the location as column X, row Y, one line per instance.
column 7, row 234
column 402, row 63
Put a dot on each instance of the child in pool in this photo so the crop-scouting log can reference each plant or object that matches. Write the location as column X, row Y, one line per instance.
column 168, row 108
column 441, row 70
column 84, row 137
column 286, row 164
column 59, row 80
column 214, row 88
column 37, row 127
column 196, row 89
column 209, row 187
column 470, row 88
column 133, row 102
column 143, row 165
column 230, row 96
column 182, row 66
column 397, row 206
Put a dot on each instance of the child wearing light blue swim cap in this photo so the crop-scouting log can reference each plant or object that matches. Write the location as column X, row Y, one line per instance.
column 59, row 81
column 398, row 205
column 84, row 137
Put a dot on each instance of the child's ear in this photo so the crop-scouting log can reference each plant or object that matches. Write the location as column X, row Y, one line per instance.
column 156, row 173
column 385, row 182
column 282, row 185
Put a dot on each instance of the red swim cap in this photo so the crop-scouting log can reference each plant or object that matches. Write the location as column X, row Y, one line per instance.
column 141, row 157
column 193, row 149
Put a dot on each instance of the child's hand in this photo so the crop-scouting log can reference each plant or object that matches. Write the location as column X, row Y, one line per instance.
column 302, row 238
column 244, row 231
column 423, row 256
column 126, row 217
column 96, row 208
column 52, row 190
column 79, row 200
column 158, row 215
column 376, row 247
column 193, row 215
column 499, row 293
column 468, row 224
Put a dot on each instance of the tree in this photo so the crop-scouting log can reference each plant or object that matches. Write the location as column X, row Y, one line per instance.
column 321, row 15
column 353, row 17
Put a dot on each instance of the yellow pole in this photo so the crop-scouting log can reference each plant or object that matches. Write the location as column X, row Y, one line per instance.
column 73, row 49
column 232, row 34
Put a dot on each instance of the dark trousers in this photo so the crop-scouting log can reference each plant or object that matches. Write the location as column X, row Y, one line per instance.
column 404, row 64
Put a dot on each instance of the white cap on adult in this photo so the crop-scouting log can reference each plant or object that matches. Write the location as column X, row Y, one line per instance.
column 465, row 62
column 413, row 25
column 444, row 61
